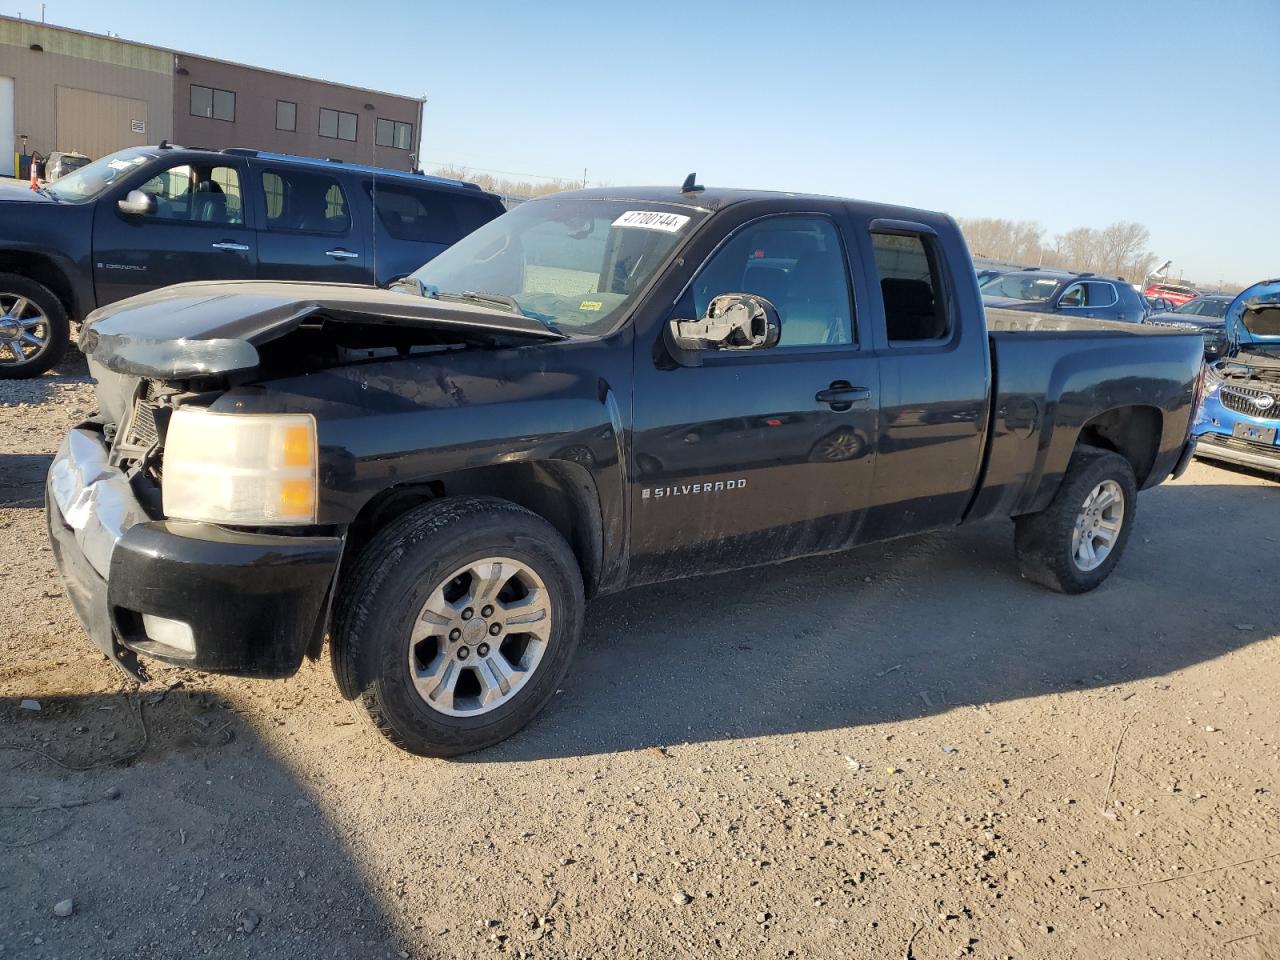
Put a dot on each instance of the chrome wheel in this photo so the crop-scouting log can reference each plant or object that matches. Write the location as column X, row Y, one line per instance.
column 843, row 445
column 479, row 637
column 1098, row 526
column 24, row 330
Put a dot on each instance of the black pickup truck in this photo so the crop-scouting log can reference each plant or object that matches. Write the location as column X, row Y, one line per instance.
column 596, row 390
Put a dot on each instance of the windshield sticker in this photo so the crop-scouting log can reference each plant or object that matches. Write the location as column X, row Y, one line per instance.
column 125, row 164
column 590, row 305
column 652, row 220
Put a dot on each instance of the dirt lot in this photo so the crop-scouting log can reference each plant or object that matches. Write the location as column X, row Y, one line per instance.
column 902, row 752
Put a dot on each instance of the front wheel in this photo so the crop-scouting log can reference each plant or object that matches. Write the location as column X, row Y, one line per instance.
column 34, row 328
column 1074, row 543
column 457, row 623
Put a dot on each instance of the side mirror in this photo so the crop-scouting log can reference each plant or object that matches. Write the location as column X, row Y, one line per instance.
column 734, row 321
column 137, row 204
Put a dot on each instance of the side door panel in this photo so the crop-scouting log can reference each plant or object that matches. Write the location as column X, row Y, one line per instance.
column 201, row 230
column 736, row 462
column 312, row 226
column 935, row 391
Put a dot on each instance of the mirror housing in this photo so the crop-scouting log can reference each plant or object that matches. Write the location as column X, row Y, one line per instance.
column 137, row 204
column 734, row 321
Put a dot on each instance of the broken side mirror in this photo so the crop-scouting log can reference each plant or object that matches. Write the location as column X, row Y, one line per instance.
column 734, row 321
column 137, row 204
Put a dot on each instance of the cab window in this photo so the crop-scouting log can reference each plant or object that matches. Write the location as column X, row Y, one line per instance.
column 911, row 285
column 795, row 262
column 197, row 194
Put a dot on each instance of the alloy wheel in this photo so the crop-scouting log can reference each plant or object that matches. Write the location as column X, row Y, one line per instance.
column 480, row 636
column 24, row 330
column 1098, row 526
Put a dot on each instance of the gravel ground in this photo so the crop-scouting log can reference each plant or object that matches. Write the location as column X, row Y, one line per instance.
column 900, row 752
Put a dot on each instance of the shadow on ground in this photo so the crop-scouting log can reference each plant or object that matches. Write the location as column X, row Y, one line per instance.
column 186, row 839
column 22, row 478
column 915, row 627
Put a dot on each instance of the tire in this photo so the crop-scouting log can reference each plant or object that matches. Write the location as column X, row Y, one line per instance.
column 54, row 327
column 1045, row 542
column 410, row 564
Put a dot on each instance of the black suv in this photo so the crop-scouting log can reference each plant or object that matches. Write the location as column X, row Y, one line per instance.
column 1072, row 294
column 149, row 217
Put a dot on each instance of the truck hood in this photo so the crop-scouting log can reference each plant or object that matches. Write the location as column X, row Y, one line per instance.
column 19, row 191
column 1253, row 319
column 208, row 329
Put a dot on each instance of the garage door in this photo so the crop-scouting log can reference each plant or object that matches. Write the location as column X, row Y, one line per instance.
column 96, row 124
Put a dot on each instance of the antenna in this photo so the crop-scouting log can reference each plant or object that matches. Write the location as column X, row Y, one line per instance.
column 691, row 184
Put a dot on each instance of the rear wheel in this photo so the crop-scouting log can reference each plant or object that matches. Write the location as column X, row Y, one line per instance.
column 1074, row 543
column 457, row 623
column 34, row 329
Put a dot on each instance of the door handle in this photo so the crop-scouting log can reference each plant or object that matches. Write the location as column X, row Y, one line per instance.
column 341, row 254
column 231, row 245
column 842, row 395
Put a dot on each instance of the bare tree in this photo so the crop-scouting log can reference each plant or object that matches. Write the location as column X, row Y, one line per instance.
column 511, row 188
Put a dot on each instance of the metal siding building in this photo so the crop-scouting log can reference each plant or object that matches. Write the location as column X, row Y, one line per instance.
column 69, row 90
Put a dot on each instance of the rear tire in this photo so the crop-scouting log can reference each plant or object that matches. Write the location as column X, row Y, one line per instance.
column 439, row 632
column 29, row 311
column 1065, row 546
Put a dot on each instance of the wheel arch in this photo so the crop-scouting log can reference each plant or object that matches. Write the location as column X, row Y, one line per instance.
column 1133, row 431
column 560, row 491
column 46, row 271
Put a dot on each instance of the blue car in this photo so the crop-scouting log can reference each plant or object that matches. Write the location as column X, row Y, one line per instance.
column 1239, row 417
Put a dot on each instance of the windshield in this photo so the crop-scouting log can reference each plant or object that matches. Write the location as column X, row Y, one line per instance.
column 1021, row 287
column 89, row 181
column 1205, row 308
column 573, row 263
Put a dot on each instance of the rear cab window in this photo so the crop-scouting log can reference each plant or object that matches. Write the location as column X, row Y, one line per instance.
column 911, row 285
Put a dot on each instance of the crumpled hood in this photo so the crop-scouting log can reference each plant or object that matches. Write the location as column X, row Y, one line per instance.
column 1254, row 315
column 203, row 329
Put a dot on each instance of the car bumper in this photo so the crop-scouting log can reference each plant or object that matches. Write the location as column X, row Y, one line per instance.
column 1215, row 440
column 191, row 594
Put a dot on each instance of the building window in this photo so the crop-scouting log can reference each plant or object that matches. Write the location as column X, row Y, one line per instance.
column 213, row 104
column 337, row 125
column 286, row 115
column 393, row 133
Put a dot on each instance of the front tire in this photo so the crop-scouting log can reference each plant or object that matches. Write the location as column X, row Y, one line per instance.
column 457, row 624
column 34, row 329
column 1074, row 543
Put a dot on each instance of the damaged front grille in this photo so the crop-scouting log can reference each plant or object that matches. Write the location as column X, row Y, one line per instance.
column 141, row 435
column 1252, row 402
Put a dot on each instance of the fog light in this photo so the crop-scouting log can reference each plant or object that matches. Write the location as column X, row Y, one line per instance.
column 172, row 633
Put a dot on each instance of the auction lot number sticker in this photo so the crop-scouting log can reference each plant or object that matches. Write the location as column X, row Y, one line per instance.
column 652, row 220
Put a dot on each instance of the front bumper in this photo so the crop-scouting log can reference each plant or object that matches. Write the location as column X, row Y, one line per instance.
column 253, row 602
column 1215, row 440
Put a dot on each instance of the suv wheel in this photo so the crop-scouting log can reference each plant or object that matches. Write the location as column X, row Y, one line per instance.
column 457, row 623
column 1074, row 543
column 33, row 328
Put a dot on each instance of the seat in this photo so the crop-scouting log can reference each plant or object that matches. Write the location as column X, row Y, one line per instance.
column 210, row 203
column 910, row 312
column 816, row 309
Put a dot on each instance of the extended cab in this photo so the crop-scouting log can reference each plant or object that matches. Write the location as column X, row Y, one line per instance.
column 148, row 217
column 597, row 390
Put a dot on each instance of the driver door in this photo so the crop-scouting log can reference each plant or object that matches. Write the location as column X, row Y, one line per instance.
column 197, row 230
column 758, row 455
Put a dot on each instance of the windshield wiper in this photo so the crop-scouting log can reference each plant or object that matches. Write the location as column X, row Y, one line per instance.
column 495, row 299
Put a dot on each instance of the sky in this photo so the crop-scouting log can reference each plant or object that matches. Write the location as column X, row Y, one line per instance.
column 1071, row 114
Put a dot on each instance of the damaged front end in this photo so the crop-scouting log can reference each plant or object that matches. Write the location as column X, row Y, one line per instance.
column 249, row 594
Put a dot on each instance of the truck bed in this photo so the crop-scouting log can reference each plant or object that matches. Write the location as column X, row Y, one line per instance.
column 1054, row 376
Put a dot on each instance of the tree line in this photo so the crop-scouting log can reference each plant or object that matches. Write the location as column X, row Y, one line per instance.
column 504, row 186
